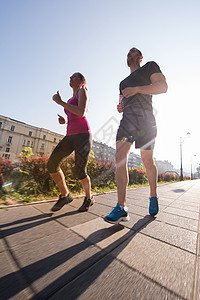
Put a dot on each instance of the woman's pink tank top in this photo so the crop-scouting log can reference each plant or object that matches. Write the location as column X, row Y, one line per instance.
column 76, row 124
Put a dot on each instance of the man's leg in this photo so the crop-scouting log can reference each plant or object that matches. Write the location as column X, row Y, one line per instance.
column 151, row 170
column 120, row 212
column 122, row 151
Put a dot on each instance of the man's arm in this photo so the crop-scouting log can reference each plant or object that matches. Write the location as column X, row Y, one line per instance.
column 158, row 86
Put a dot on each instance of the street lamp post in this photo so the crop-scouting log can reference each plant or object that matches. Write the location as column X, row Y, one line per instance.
column 181, row 168
column 181, row 157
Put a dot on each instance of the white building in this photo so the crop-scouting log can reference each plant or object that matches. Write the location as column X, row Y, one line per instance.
column 16, row 135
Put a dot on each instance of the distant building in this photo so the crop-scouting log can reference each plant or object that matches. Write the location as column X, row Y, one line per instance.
column 164, row 166
column 134, row 161
column 103, row 151
column 16, row 135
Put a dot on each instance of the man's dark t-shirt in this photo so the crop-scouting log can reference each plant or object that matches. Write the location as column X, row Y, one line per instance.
column 140, row 77
column 138, row 122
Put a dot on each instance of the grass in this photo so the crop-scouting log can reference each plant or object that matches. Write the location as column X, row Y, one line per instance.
column 17, row 198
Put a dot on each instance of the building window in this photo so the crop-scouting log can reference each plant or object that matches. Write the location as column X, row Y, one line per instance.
column 7, row 150
column 31, row 144
column 44, row 137
column 7, row 156
column 12, row 128
column 28, row 143
column 42, row 146
column 30, row 133
column 10, row 139
column 24, row 143
column 0, row 124
column 54, row 140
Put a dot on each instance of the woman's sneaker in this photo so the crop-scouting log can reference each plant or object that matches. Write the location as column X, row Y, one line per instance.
column 153, row 206
column 62, row 201
column 117, row 215
column 86, row 204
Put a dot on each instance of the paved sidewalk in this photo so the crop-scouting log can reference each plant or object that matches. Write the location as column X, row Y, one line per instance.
column 72, row 255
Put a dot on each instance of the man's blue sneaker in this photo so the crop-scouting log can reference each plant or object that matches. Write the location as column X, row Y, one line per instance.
column 117, row 215
column 153, row 206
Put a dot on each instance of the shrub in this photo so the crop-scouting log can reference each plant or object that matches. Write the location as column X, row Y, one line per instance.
column 136, row 176
column 35, row 175
column 31, row 177
column 102, row 174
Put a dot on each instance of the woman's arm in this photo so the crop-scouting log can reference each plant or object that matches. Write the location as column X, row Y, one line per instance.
column 79, row 110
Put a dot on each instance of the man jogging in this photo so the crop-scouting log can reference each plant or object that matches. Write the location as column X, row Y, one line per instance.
column 137, row 125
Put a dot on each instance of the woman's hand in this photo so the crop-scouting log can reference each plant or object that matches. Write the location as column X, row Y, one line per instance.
column 57, row 98
column 61, row 120
column 130, row 91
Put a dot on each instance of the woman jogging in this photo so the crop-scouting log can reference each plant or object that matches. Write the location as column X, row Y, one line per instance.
column 78, row 138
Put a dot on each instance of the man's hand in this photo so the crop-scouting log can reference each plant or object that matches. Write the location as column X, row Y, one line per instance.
column 120, row 107
column 61, row 120
column 57, row 98
column 130, row 91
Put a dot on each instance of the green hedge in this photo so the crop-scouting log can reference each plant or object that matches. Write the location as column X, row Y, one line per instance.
column 31, row 177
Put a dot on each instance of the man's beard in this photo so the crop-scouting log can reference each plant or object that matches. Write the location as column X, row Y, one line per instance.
column 129, row 62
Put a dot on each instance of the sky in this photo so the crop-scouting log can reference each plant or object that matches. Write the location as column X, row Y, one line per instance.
column 43, row 42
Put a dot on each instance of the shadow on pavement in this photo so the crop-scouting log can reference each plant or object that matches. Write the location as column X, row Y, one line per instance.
column 179, row 191
column 46, row 218
column 34, row 271
column 76, row 289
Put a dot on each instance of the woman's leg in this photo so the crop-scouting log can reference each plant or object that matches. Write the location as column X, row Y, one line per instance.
column 82, row 147
column 86, row 184
column 62, row 150
column 59, row 180
column 82, row 151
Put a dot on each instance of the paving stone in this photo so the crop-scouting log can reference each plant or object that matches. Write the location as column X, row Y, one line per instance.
column 109, row 199
column 111, row 279
column 167, row 194
column 13, row 216
column 178, row 221
column 137, row 222
column 145, row 202
column 68, row 216
column 186, row 205
column 2, row 246
column 198, row 281
column 142, row 191
column 165, row 201
column 180, row 237
column 159, row 261
column 104, row 235
column 193, row 199
column 181, row 212
column 52, row 261
column 20, row 229
column 12, row 285
column 100, row 210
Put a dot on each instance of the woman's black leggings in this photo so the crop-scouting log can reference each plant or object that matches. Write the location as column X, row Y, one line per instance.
column 80, row 143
